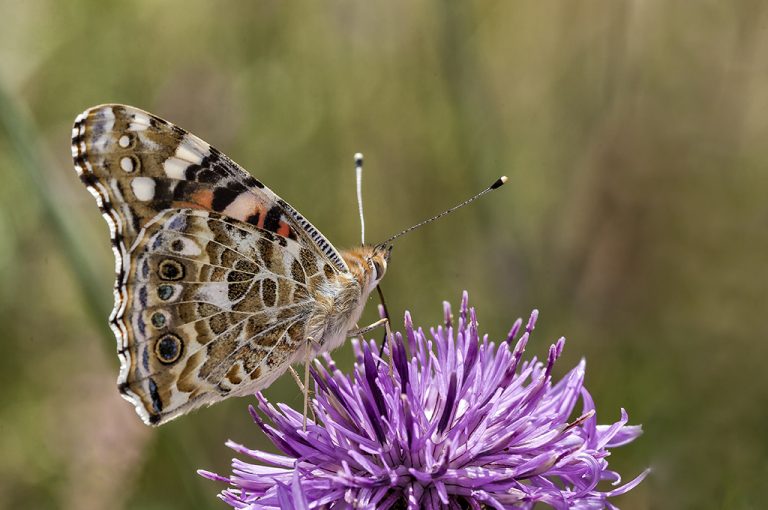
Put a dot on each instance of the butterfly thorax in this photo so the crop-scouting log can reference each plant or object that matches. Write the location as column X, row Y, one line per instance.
column 342, row 300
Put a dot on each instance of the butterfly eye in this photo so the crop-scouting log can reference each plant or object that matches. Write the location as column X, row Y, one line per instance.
column 378, row 269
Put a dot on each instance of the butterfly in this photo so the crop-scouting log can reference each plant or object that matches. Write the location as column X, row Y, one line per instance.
column 220, row 283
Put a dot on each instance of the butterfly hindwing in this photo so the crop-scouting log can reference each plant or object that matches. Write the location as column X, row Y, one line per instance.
column 214, row 307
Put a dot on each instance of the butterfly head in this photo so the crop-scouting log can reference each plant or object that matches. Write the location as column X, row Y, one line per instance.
column 368, row 264
column 378, row 261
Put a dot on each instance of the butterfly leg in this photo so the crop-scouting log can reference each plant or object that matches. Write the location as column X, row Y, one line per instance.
column 297, row 380
column 310, row 344
column 370, row 327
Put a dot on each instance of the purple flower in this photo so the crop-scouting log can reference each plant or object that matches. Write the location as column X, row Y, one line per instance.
column 462, row 423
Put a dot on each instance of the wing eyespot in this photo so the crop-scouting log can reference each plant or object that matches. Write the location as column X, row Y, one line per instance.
column 165, row 292
column 158, row 320
column 169, row 348
column 170, row 270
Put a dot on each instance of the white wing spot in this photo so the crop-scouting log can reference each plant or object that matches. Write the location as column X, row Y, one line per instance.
column 192, row 150
column 140, row 122
column 124, row 141
column 108, row 115
column 185, row 246
column 113, row 184
column 241, row 207
column 143, row 188
column 174, row 168
column 126, row 164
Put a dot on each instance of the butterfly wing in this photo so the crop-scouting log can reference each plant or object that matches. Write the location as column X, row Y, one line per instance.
column 137, row 165
column 200, row 312
column 215, row 307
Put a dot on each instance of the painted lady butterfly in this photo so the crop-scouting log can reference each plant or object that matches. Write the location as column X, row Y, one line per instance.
column 221, row 284
column 219, row 281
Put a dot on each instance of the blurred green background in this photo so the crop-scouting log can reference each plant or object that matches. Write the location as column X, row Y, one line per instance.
column 635, row 218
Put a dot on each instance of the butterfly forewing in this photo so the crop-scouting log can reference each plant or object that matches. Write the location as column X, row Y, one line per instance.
column 138, row 165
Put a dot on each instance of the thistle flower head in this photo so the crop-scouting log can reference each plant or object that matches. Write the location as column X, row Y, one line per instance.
column 460, row 423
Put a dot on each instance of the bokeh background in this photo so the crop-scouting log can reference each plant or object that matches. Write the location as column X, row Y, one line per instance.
column 635, row 217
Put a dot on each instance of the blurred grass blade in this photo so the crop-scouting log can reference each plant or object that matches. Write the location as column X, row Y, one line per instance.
column 31, row 155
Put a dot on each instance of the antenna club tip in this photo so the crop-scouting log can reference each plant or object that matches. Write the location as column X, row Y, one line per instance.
column 499, row 182
column 358, row 158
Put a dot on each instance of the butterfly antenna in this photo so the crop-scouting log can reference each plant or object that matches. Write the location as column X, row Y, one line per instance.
column 497, row 184
column 359, row 178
